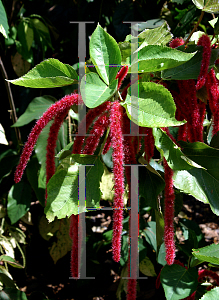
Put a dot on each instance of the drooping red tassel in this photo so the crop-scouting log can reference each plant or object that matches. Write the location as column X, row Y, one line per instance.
column 98, row 130
column 57, row 107
column 205, row 42
column 169, row 214
column 73, row 233
column 51, row 144
column 121, row 75
column 118, row 171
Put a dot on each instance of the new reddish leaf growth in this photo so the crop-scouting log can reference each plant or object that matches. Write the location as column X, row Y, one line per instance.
column 58, row 107
column 118, row 171
column 205, row 42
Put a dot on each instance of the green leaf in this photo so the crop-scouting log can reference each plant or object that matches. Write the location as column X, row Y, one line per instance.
column 59, row 230
column 2, row 136
column 11, row 261
column 150, row 234
column 153, row 108
column 105, row 54
column 49, row 73
column 26, row 37
column 159, row 228
column 41, row 31
column 153, row 58
column 3, row 21
column 63, row 189
column 203, row 155
column 6, row 279
column 212, row 294
column 173, row 154
column 211, row 6
column 157, row 36
column 150, row 186
column 146, row 267
column 190, row 69
column 178, row 282
column 209, row 254
column 19, row 199
column 32, row 171
column 94, row 91
column 12, row 293
column 35, row 110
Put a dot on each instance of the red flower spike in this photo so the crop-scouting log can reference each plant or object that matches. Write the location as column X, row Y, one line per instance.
column 99, row 127
column 121, row 75
column 57, row 107
column 73, row 233
column 51, row 144
column 169, row 214
column 132, row 289
column 118, row 171
column 176, row 43
column 89, row 118
column 205, row 42
column 213, row 97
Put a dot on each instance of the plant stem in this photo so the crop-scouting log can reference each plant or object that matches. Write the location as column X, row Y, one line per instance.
column 195, row 27
column 11, row 101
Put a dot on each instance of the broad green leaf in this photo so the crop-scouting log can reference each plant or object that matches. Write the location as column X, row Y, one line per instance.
column 6, row 279
column 172, row 153
column 63, row 189
column 178, row 282
column 211, row 6
column 2, row 136
column 25, row 37
column 59, row 230
column 153, row 58
column 41, row 31
column 200, row 184
column 161, row 258
column 190, row 69
column 11, row 261
column 212, row 294
column 12, row 293
column 3, row 21
column 153, row 108
column 150, row 234
column 203, row 155
column 7, row 163
column 157, row 36
column 94, row 91
column 35, row 110
column 32, row 171
column 146, row 267
column 150, row 186
column 125, row 48
column 49, row 73
column 209, row 254
column 19, row 199
column 105, row 54
column 159, row 228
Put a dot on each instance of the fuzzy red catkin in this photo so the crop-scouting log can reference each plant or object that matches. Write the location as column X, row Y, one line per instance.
column 51, row 144
column 176, row 43
column 73, row 233
column 205, row 42
column 121, row 75
column 213, row 97
column 118, row 171
column 169, row 214
column 57, row 107
column 98, row 130
column 89, row 118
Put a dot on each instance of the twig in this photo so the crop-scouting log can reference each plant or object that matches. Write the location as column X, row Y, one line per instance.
column 195, row 27
column 11, row 101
